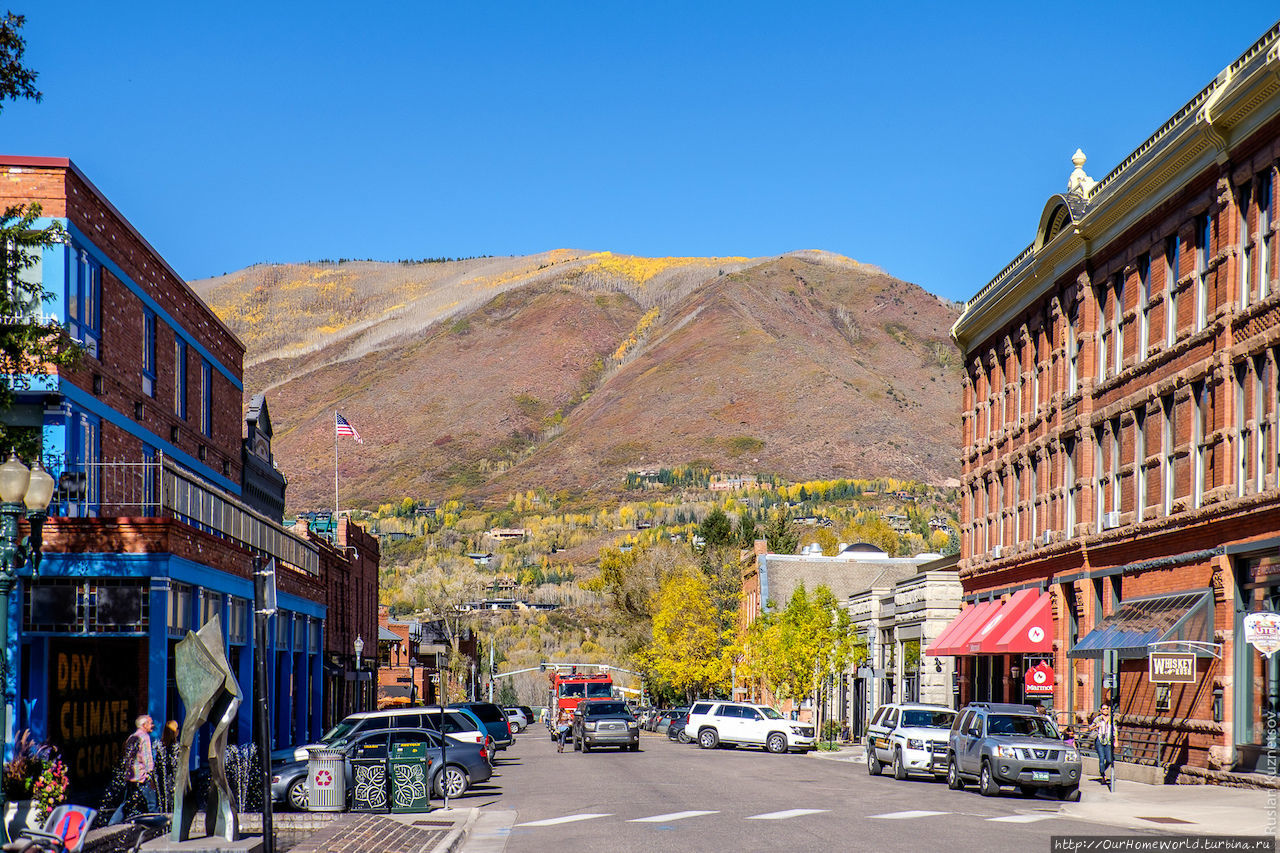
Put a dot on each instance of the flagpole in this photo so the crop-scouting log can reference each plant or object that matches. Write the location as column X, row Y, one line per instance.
column 335, row 469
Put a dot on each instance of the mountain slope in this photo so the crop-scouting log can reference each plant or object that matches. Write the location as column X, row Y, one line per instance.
column 564, row 370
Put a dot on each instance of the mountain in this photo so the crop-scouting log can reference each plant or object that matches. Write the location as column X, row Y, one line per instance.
column 565, row 369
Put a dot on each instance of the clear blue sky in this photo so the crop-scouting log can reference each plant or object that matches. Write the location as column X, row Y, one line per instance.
column 924, row 138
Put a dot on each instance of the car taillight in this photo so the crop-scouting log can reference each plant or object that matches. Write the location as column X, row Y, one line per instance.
column 484, row 752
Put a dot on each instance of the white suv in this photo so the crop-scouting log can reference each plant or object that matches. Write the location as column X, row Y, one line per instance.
column 712, row 723
column 911, row 737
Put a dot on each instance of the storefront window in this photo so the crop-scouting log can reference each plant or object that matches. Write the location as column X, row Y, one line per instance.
column 911, row 671
column 1257, row 699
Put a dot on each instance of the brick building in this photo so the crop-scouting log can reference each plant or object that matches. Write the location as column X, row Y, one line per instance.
column 151, row 533
column 1121, row 434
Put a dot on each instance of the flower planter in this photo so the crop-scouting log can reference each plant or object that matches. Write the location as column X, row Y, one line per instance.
column 19, row 815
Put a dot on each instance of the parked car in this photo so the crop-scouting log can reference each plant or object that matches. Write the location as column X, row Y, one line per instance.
column 911, row 737
column 675, row 730
column 668, row 717
column 461, row 725
column 713, row 723
column 605, row 722
column 997, row 744
column 494, row 719
column 516, row 720
column 467, row 763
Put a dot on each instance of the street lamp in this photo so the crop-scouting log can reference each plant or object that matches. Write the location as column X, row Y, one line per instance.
column 413, row 682
column 359, row 647
column 24, row 492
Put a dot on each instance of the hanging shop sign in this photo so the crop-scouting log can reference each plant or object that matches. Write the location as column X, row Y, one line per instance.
column 1039, row 680
column 1171, row 668
column 1262, row 631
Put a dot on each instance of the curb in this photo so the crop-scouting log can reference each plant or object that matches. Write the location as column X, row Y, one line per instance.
column 452, row 842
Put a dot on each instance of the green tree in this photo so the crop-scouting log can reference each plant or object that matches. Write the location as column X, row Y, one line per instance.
column 748, row 533
column 781, row 533
column 29, row 346
column 716, row 530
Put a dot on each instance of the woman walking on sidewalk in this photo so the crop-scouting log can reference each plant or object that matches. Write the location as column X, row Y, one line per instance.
column 1101, row 730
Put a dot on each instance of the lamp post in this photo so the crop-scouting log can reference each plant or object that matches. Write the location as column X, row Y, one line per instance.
column 24, row 492
column 358, row 645
column 413, row 681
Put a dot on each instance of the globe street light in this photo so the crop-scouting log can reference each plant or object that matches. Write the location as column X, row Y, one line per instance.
column 413, row 681
column 24, row 492
column 359, row 647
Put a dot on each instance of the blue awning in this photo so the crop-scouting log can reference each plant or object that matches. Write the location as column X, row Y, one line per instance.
column 1139, row 622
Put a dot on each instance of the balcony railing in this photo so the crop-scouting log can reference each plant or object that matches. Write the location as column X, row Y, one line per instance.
column 161, row 488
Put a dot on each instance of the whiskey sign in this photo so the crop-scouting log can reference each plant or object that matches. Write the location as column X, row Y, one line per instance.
column 1171, row 668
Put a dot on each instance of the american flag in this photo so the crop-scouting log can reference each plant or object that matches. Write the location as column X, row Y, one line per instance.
column 344, row 428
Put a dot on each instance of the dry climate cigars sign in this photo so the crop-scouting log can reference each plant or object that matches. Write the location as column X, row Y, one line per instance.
column 1171, row 667
column 95, row 692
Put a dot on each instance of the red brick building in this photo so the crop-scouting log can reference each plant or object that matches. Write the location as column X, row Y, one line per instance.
column 151, row 531
column 1121, row 433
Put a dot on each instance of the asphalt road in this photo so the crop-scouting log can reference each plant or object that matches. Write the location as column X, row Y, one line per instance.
column 672, row 797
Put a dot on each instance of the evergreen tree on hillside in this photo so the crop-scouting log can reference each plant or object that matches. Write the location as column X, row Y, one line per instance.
column 716, row 530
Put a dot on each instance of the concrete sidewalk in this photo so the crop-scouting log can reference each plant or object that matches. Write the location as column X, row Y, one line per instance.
column 1191, row 809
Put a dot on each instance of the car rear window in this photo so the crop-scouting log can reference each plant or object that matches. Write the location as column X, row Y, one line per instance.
column 700, row 708
column 927, row 719
column 488, row 713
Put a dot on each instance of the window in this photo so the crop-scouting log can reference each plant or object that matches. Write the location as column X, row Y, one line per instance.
column 1172, row 270
column 1073, row 351
column 1017, row 504
column 1105, row 332
column 1202, row 425
column 999, row 511
column 180, row 377
column 1035, row 375
column 83, row 454
column 1117, row 324
column 1099, row 480
column 1139, row 463
column 1265, row 237
column 1033, row 494
column 1243, row 428
column 985, row 541
column 84, row 294
column 26, row 295
column 1167, row 453
column 1144, row 313
column 148, row 352
column 1019, row 373
column 1114, row 473
column 1204, row 244
column 1073, row 489
column 206, row 398
column 1243, row 200
column 1264, row 415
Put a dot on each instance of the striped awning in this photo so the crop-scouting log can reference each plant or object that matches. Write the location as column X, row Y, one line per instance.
column 1139, row 622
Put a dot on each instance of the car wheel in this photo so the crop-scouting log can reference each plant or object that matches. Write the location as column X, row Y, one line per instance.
column 297, row 794
column 708, row 739
column 777, row 743
column 1069, row 793
column 987, row 784
column 899, row 769
column 874, row 767
column 954, row 780
column 452, row 780
column 683, row 737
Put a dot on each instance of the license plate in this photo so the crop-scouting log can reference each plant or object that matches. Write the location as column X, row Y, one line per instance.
column 1039, row 775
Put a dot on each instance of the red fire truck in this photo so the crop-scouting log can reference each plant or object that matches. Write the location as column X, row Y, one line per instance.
column 566, row 688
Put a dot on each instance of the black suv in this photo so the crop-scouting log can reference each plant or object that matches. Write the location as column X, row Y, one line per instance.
column 1010, row 745
column 605, row 722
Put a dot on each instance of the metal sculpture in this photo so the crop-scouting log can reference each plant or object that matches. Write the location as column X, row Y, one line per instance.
column 209, row 692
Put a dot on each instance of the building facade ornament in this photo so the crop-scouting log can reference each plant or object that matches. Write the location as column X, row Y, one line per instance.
column 1079, row 183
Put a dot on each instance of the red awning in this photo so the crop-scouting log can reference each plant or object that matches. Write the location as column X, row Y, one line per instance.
column 1031, row 631
column 950, row 642
column 983, row 641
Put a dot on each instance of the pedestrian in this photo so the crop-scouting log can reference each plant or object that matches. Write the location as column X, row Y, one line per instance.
column 1101, row 731
column 166, row 762
column 1069, row 736
column 563, row 723
column 139, row 767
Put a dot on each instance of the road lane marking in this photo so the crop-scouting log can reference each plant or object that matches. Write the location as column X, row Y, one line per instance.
column 1022, row 818
column 665, row 817
column 552, row 821
column 906, row 815
column 786, row 814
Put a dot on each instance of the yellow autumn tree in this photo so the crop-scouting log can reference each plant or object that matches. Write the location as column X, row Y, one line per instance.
column 690, row 654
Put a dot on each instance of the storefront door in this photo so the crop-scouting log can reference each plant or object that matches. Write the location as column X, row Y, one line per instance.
column 1257, row 677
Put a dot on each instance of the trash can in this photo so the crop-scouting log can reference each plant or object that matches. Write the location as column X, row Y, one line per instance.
column 369, row 778
column 410, row 777
column 326, row 783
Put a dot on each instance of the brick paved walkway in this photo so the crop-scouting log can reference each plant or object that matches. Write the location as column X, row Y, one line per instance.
column 366, row 833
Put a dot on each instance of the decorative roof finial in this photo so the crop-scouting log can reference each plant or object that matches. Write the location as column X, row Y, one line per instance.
column 1079, row 183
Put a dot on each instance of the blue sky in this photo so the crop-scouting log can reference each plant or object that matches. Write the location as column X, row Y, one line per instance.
column 924, row 138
